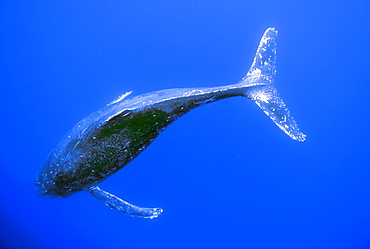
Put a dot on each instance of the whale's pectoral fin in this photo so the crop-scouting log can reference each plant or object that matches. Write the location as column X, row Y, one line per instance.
column 113, row 201
column 263, row 70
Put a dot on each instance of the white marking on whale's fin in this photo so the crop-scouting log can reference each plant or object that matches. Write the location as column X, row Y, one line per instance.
column 263, row 70
column 120, row 98
column 113, row 201
column 267, row 98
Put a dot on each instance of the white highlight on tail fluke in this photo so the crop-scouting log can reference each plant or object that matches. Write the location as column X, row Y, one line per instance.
column 263, row 67
column 266, row 97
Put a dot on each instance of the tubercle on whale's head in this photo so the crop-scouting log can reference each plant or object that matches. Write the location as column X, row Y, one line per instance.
column 47, row 188
column 44, row 188
column 43, row 191
column 46, row 181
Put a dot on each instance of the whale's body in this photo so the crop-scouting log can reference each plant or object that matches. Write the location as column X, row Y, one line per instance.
column 108, row 139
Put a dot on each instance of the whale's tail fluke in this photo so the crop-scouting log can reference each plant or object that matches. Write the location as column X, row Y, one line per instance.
column 266, row 96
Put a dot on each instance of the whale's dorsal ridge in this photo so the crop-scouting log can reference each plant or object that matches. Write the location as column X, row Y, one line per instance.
column 121, row 97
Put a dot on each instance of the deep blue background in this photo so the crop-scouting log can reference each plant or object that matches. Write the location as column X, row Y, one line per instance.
column 225, row 175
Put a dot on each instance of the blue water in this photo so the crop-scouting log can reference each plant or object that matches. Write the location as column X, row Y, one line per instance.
column 224, row 174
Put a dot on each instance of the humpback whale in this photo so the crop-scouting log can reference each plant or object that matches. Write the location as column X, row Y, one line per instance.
column 108, row 139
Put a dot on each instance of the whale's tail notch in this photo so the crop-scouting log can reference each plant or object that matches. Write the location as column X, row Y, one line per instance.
column 263, row 70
